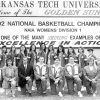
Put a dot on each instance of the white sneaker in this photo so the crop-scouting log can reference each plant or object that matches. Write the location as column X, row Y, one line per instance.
column 94, row 95
column 83, row 88
column 2, row 90
column 80, row 94
column 96, row 91
column 33, row 88
column 19, row 89
column 63, row 88
column 13, row 95
column 60, row 94
column 48, row 87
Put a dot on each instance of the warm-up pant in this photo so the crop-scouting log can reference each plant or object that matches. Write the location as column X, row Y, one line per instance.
column 55, row 86
column 83, row 78
column 71, row 82
column 27, row 87
column 41, row 86
column 90, row 87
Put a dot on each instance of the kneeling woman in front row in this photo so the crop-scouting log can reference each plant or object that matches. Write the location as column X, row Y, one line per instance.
column 91, row 73
column 56, row 74
column 10, row 75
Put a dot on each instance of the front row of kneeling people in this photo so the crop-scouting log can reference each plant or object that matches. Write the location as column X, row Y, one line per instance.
column 24, row 75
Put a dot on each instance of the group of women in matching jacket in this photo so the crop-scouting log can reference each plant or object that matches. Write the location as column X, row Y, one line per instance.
column 56, row 65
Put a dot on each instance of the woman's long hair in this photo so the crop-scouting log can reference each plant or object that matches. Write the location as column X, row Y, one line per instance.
column 49, row 49
column 58, row 51
column 82, row 49
column 30, row 49
column 8, row 60
column 4, row 47
column 42, row 48
column 25, row 51
column 68, row 52
column 11, row 49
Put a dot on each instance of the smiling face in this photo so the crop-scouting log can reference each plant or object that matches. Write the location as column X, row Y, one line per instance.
column 80, row 50
column 90, row 52
column 57, row 62
column 13, row 48
column 33, row 47
column 9, row 62
column 70, row 50
column 91, row 61
column 43, row 46
column 71, row 60
column 60, row 49
column 51, row 48
column 41, row 60
column 4, row 49
column 22, row 48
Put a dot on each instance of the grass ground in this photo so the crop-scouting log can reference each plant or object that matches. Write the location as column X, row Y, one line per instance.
column 53, row 97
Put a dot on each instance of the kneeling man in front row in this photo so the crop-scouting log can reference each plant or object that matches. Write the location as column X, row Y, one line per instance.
column 56, row 75
column 41, row 75
column 72, row 75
